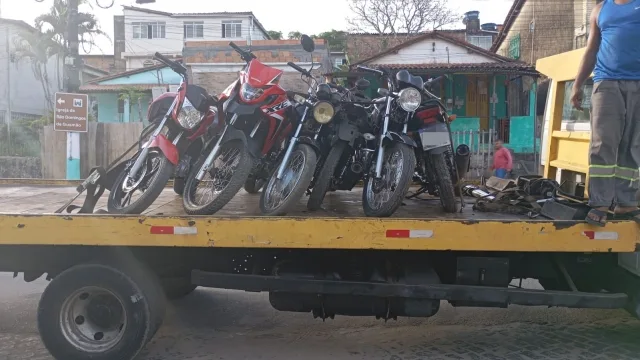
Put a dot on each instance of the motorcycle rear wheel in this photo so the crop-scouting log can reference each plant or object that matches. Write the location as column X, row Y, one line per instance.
column 155, row 182
column 327, row 173
column 446, row 190
column 233, row 151
column 304, row 174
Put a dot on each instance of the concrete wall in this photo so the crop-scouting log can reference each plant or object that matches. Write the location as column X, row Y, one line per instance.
column 554, row 29
column 20, row 167
column 432, row 51
column 27, row 94
column 174, row 33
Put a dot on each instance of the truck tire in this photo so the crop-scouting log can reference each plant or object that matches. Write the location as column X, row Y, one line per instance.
column 100, row 311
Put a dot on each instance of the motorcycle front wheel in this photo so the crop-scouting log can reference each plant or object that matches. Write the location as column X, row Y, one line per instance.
column 152, row 178
column 382, row 197
column 280, row 196
column 221, row 183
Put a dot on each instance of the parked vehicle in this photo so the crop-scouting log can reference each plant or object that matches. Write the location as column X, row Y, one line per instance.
column 258, row 118
column 387, row 182
column 439, row 168
column 182, row 120
column 289, row 181
column 344, row 150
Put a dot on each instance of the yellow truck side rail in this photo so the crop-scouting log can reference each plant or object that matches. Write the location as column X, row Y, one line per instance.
column 318, row 233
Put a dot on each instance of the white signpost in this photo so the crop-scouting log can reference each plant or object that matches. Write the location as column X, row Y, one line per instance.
column 72, row 116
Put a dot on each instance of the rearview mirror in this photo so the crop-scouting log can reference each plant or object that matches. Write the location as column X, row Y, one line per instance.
column 383, row 92
column 307, row 43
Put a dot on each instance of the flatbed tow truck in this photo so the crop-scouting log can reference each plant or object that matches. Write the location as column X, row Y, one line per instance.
column 111, row 275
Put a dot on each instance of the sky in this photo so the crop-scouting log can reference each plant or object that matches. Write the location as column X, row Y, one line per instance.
column 278, row 15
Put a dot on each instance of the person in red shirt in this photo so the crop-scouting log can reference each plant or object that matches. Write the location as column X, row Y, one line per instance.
column 502, row 161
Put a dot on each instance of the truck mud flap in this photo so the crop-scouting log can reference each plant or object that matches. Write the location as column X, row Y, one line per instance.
column 485, row 294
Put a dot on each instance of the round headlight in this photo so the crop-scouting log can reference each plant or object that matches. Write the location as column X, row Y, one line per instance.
column 188, row 117
column 323, row 112
column 409, row 99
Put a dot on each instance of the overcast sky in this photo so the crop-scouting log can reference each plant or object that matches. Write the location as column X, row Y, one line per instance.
column 281, row 15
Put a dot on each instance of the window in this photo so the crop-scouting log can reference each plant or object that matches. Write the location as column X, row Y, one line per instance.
column 514, row 47
column 148, row 63
column 484, row 42
column 232, row 29
column 518, row 97
column 339, row 62
column 571, row 115
column 193, row 29
column 149, row 30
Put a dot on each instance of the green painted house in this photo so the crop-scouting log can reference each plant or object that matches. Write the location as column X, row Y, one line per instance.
column 492, row 96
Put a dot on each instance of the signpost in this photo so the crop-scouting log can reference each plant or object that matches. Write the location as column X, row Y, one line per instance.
column 72, row 116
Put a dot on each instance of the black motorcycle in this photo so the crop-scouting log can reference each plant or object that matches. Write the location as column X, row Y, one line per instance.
column 439, row 168
column 343, row 143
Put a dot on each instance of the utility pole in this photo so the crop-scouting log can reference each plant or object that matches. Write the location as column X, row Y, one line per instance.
column 72, row 61
column 9, row 111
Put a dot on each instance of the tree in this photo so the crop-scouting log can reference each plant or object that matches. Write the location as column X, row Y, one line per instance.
column 133, row 96
column 294, row 35
column 336, row 39
column 399, row 16
column 275, row 35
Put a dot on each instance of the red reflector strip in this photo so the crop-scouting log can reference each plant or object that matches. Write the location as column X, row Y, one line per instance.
column 601, row 235
column 409, row 234
column 173, row 230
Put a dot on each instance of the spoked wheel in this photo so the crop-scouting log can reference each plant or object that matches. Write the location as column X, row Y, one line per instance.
column 280, row 196
column 382, row 197
column 134, row 194
column 221, row 183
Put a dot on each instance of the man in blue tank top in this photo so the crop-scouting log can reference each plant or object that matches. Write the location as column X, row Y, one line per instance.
column 613, row 55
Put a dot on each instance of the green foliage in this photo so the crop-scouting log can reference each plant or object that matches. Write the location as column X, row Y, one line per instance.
column 275, row 35
column 336, row 39
column 133, row 96
column 294, row 35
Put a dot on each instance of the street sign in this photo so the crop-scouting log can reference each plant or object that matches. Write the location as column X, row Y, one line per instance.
column 71, row 112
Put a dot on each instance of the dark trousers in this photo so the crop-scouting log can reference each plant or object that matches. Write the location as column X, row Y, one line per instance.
column 615, row 143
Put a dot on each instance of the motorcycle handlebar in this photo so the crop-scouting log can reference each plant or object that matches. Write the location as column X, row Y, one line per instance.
column 177, row 67
column 299, row 69
column 246, row 55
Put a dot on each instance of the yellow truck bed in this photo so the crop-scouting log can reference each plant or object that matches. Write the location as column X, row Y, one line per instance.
column 26, row 218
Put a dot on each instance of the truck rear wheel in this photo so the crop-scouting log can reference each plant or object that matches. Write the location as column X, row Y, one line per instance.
column 100, row 311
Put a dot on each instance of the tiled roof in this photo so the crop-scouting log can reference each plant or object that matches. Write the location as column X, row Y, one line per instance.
column 119, row 87
column 441, row 36
column 130, row 72
column 268, row 51
column 246, row 13
column 508, row 22
column 488, row 67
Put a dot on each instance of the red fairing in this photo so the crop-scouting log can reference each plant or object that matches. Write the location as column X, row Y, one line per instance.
column 209, row 119
column 259, row 75
column 168, row 149
column 428, row 115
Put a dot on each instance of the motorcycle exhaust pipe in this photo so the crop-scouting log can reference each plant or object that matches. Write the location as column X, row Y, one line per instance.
column 472, row 190
column 462, row 159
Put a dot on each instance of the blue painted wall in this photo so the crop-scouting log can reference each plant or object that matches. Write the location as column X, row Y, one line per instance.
column 108, row 107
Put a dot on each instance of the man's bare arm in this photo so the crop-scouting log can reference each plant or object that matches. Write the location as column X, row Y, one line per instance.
column 593, row 45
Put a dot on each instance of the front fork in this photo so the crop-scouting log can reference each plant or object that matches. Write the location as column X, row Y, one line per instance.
column 208, row 163
column 292, row 144
column 385, row 128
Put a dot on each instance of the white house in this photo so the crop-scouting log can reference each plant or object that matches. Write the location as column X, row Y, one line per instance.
column 147, row 31
column 21, row 92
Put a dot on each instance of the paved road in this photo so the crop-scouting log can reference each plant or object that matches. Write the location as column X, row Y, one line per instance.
column 212, row 324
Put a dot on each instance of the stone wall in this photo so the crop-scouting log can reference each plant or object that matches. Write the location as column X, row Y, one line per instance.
column 20, row 167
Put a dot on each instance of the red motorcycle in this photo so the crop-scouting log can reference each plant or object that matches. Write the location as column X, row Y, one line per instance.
column 180, row 124
column 259, row 117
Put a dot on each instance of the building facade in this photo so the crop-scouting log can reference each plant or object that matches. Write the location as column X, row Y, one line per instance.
column 140, row 32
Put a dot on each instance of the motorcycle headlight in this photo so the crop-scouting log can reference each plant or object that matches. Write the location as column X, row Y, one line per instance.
column 250, row 93
column 188, row 117
column 409, row 99
column 323, row 112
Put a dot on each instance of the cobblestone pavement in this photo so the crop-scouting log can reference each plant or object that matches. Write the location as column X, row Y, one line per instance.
column 212, row 324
